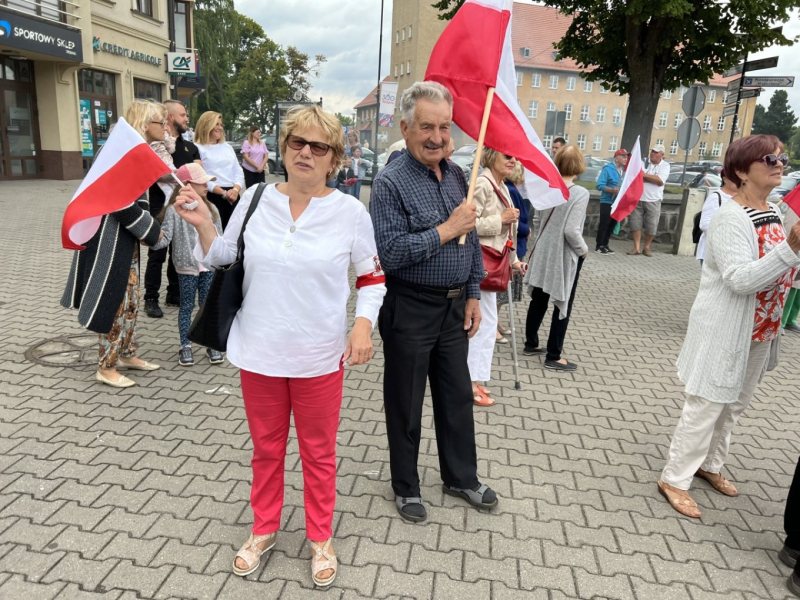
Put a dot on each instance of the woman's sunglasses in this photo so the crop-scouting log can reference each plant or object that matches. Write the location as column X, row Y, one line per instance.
column 298, row 143
column 771, row 160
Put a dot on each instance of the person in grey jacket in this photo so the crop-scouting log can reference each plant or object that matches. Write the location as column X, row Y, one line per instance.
column 193, row 279
column 733, row 333
column 557, row 257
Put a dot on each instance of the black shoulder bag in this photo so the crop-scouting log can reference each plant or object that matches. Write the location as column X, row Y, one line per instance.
column 212, row 324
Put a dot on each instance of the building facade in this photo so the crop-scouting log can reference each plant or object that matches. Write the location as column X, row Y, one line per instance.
column 68, row 70
column 552, row 93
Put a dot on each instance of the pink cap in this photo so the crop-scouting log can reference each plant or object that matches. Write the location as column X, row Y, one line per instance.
column 193, row 173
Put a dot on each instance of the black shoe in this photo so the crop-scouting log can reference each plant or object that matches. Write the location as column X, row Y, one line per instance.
column 215, row 356
column 185, row 357
column 173, row 301
column 411, row 509
column 152, row 309
column 608, row 250
column 528, row 351
column 793, row 583
column 554, row 365
column 483, row 497
column 789, row 556
column 598, row 250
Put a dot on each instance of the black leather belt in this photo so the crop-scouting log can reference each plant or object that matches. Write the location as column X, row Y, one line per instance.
column 450, row 293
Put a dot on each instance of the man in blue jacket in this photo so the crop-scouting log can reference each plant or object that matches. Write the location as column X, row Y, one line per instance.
column 608, row 183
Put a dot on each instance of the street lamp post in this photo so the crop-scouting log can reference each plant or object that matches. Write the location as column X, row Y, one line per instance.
column 378, row 87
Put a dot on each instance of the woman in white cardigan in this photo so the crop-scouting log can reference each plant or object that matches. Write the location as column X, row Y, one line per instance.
column 557, row 256
column 734, row 324
column 496, row 225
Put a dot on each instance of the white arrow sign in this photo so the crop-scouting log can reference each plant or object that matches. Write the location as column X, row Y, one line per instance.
column 787, row 81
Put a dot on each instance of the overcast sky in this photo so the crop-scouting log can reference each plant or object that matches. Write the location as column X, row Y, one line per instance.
column 347, row 33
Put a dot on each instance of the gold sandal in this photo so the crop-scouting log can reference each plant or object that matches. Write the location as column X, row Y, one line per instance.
column 680, row 500
column 718, row 482
column 322, row 559
column 251, row 552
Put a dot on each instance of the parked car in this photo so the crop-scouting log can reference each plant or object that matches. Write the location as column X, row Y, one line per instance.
column 593, row 167
column 368, row 155
column 786, row 186
column 682, row 178
column 707, row 179
column 464, row 160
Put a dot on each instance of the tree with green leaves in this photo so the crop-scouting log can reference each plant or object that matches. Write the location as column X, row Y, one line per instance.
column 778, row 119
column 641, row 47
column 344, row 120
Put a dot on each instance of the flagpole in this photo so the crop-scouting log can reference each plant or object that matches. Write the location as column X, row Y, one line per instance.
column 487, row 109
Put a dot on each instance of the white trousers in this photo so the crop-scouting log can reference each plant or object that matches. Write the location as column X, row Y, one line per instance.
column 703, row 435
column 481, row 345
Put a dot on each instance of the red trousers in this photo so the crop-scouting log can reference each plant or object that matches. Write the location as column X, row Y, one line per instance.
column 315, row 402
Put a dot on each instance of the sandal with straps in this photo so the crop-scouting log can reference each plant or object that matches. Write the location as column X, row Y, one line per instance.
column 679, row 499
column 251, row 552
column 718, row 482
column 322, row 559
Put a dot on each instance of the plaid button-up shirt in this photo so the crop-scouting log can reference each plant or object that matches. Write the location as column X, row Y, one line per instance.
column 408, row 202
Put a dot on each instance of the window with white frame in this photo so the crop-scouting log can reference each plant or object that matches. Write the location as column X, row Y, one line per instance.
column 711, row 97
column 526, row 52
column 568, row 112
column 551, row 107
column 682, row 91
column 403, row 34
column 533, row 109
column 587, row 86
column 659, row 142
column 408, row 67
column 402, row 66
column 662, row 118
column 585, row 112
column 553, row 82
column 707, row 123
column 547, row 141
column 581, row 141
column 616, row 117
column 409, row 32
column 601, row 114
column 396, row 70
column 613, row 143
column 397, row 37
column 603, row 89
column 597, row 143
column 666, row 94
column 716, row 151
column 678, row 119
column 702, row 148
column 721, row 124
column 673, row 147
column 570, row 83
column 536, row 80
column 519, row 78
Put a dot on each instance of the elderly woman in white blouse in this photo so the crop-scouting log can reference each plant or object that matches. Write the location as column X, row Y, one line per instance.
column 733, row 334
column 219, row 160
column 290, row 337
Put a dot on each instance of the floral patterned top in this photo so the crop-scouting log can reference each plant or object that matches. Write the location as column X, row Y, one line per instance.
column 769, row 302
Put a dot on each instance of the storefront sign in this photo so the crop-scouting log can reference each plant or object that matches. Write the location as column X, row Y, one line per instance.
column 181, row 63
column 100, row 46
column 87, row 148
column 26, row 33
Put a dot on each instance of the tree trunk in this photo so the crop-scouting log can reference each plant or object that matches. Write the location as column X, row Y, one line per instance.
column 642, row 107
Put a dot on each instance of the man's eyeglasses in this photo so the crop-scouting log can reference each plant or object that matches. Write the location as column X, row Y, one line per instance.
column 298, row 143
column 771, row 160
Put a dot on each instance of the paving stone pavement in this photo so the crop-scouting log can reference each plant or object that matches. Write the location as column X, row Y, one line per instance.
column 143, row 493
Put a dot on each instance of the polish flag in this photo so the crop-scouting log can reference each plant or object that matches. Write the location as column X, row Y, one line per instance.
column 792, row 199
column 124, row 168
column 632, row 187
column 474, row 54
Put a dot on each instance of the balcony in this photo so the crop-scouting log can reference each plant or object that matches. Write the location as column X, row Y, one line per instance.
column 58, row 12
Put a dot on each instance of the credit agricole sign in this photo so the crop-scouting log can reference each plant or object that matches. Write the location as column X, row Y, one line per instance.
column 100, row 46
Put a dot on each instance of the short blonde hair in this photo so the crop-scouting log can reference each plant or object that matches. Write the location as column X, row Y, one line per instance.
column 517, row 175
column 305, row 117
column 489, row 156
column 141, row 112
column 202, row 129
column 569, row 161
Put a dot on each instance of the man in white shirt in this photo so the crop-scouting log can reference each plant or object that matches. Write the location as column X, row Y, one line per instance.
column 647, row 212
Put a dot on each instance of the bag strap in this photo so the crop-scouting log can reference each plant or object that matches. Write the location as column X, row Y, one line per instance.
column 719, row 198
column 250, row 210
column 502, row 200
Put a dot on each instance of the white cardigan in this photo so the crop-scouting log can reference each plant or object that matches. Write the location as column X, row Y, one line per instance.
column 714, row 355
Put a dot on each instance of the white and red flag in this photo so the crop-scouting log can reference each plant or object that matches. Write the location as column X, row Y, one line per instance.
column 121, row 172
column 632, row 186
column 474, row 54
column 792, row 199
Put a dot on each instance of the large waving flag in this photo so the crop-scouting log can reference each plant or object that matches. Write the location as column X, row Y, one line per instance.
column 121, row 172
column 474, row 54
column 632, row 187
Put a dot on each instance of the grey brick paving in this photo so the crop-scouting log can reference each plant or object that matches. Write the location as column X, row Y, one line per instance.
column 143, row 493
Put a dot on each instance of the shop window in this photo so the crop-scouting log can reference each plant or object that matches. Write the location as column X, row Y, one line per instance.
column 145, row 7
column 147, row 90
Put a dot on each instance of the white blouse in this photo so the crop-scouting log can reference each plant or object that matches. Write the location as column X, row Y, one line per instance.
column 220, row 161
column 293, row 321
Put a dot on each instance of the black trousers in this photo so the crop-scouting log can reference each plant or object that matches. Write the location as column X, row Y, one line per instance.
column 791, row 516
column 558, row 326
column 251, row 178
column 424, row 339
column 152, row 275
column 224, row 207
column 605, row 226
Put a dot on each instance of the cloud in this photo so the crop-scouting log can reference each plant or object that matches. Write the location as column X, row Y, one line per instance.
column 345, row 31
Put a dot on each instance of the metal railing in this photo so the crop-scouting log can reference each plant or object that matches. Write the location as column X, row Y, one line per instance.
column 61, row 12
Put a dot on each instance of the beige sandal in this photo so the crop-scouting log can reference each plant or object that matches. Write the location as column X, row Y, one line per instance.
column 680, row 500
column 322, row 559
column 251, row 552
column 718, row 482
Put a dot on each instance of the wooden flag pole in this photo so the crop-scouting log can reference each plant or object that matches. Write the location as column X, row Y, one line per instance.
column 473, row 178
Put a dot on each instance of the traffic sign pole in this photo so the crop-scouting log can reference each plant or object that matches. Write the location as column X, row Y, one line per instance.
column 735, row 122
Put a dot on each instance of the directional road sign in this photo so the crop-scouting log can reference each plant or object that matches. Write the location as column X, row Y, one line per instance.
column 778, row 81
column 734, row 85
column 693, row 101
column 752, row 65
column 729, row 110
column 753, row 93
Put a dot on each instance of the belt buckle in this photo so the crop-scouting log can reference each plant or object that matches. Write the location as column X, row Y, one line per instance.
column 453, row 293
